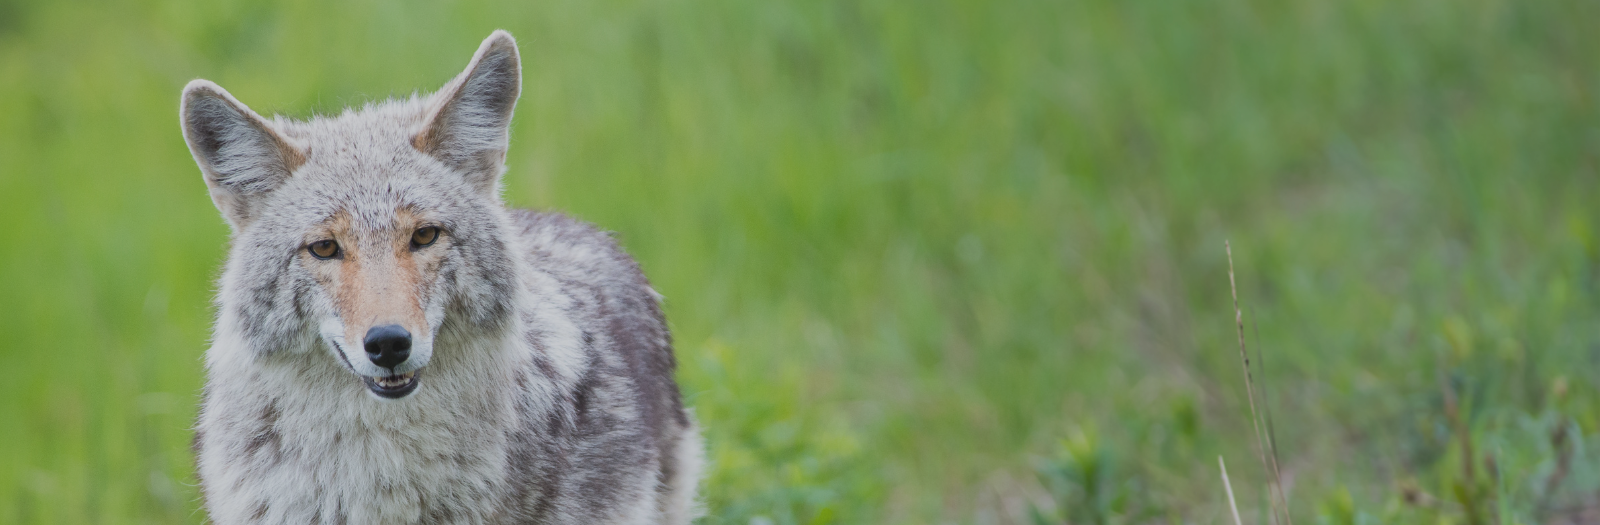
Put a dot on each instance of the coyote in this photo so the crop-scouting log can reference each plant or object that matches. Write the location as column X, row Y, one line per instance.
column 394, row 345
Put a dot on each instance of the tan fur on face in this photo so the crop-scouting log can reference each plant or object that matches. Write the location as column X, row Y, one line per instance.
column 378, row 278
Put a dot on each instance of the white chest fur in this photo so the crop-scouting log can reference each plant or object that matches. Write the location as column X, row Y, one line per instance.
column 294, row 438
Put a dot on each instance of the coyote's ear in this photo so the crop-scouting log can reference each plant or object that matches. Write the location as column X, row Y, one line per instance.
column 240, row 154
column 468, row 121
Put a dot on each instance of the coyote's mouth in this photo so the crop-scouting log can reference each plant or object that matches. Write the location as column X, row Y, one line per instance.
column 392, row 387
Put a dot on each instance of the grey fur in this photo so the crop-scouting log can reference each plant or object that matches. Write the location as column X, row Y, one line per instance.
column 545, row 376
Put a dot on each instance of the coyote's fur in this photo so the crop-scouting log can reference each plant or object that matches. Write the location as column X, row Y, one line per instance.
column 394, row 345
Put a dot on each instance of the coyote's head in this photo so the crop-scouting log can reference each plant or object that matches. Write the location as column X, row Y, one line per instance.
column 371, row 230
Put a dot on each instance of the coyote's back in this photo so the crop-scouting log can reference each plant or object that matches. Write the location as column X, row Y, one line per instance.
column 393, row 345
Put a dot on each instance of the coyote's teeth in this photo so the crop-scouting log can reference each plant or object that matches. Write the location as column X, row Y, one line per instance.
column 394, row 380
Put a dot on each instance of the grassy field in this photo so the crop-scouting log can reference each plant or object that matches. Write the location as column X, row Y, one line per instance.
column 931, row 262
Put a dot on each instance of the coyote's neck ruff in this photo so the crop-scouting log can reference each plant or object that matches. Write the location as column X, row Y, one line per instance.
column 394, row 346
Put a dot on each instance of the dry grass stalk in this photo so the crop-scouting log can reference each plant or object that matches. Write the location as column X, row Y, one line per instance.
column 1280, row 504
column 1229, row 486
column 1266, row 412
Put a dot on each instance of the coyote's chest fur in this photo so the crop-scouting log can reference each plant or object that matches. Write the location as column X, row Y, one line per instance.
column 393, row 345
column 295, row 455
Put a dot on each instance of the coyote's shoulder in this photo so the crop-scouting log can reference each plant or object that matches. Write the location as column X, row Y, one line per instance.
column 394, row 345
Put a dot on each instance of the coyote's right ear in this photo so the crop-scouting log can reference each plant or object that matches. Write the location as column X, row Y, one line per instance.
column 240, row 153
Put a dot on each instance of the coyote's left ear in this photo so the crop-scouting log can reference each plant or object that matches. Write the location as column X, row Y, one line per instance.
column 468, row 124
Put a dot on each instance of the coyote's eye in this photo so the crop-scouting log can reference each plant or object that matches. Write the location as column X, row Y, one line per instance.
column 424, row 236
column 324, row 249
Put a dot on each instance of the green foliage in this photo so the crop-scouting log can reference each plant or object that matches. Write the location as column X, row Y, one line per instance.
column 1087, row 485
column 906, row 249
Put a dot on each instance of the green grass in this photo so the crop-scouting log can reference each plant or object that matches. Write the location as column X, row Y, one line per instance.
column 924, row 262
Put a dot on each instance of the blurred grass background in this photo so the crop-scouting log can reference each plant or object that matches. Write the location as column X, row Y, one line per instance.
column 931, row 262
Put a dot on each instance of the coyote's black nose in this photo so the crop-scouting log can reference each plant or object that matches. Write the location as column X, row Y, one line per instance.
column 388, row 345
